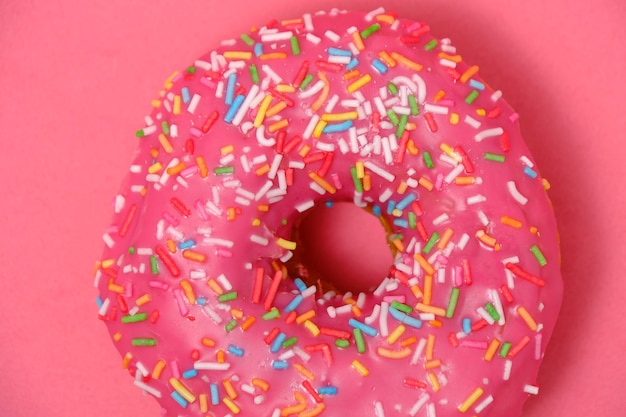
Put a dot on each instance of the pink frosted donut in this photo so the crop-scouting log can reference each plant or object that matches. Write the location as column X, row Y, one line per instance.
column 198, row 285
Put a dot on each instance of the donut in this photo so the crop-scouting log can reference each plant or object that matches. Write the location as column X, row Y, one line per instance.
column 201, row 283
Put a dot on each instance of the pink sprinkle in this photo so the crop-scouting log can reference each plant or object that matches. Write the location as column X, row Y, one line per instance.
column 336, row 181
column 128, row 289
column 195, row 132
column 182, row 307
column 439, row 182
column 514, row 117
column 224, row 253
column 473, row 344
column 170, row 219
column 177, row 77
column 175, row 369
column 201, row 210
column 538, row 338
column 414, row 26
column 112, row 230
column 458, row 276
column 446, row 102
column 207, row 82
column 158, row 284
column 398, row 298
column 188, row 172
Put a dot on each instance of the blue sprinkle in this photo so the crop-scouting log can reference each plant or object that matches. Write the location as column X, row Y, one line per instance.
column 467, row 325
column 215, row 395
column 230, row 88
column 339, row 52
column 278, row 342
column 232, row 111
column 390, row 206
column 280, row 365
column 379, row 66
column 201, row 301
column 405, row 318
column 300, row 284
column 191, row 373
column 99, row 302
column 258, row 49
column 376, row 211
column 404, row 203
column 338, row 127
column 329, row 204
column 401, row 223
column 185, row 93
column 187, row 244
column 293, row 304
column 530, row 172
column 327, row 391
column 352, row 64
column 237, row 351
column 368, row 330
column 179, row 399
column 476, row 84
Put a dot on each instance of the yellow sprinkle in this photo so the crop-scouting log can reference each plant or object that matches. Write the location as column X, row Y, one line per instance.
column 360, row 368
column 176, row 109
column 454, row 58
column 244, row 55
column 182, row 390
column 434, row 381
column 546, row 184
column 286, row 244
column 260, row 116
column 532, row 324
column 285, row 88
column 143, row 299
column 491, row 350
column 481, row 112
column 188, row 291
column 204, row 402
column 261, row 384
column 276, row 108
column 339, row 117
column 393, row 354
column 426, row 266
column 360, row 82
column 322, row 182
column 360, row 169
column 154, row 168
column 167, row 146
column 319, row 128
column 217, row 289
column 231, row 405
column 304, row 150
column 304, row 371
column 107, row 263
column 454, row 118
column 169, row 83
column 402, row 60
column 225, row 150
column 307, row 315
column 473, row 397
column 395, row 335
column 117, row 337
column 312, row 327
column 158, row 369
column 256, row 222
column 156, row 103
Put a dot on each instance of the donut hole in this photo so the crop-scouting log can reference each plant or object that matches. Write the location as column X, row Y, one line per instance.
column 341, row 247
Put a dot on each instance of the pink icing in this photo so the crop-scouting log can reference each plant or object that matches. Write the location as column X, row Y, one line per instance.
column 215, row 191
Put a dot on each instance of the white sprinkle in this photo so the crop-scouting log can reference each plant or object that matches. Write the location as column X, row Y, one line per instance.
column 332, row 36
column 245, row 106
column 266, row 187
column 472, row 122
column 385, row 195
column 381, row 287
column 104, row 307
column 489, row 133
column 406, row 82
column 379, row 171
column 302, row 207
column 218, row 242
column 259, row 240
column 482, row 217
column 508, row 364
column 108, row 240
column 430, row 410
column 275, row 37
column 463, row 241
column 483, row 404
column 441, row 275
column 360, row 301
column 382, row 319
column 211, row 366
column 213, row 315
column 402, row 110
column 308, row 22
column 455, row 172
column 447, row 63
column 271, row 74
column 147, row 388
column 421, row 88
column 339, row 59
column 317, row 188
column 197, row 274
column 332, row 102
column 260, row 137
column 497, row 303
column 119, row 203
column 332, row 313
column 442, row 218
column 372, row 317
column 301, row 354
column 259, row 399
column 245, row 193
column 476, row 199
column 485, row 315
column 135, row 169
column 288, row 354
column 496, row 95
column 378, row 409
column 324, row 146
column 380, row 107
column 423, row 399
column 510, row 185
column 242, row 201
column 431, row 108
column 531, row 389
column 314, row 89
column 371, row 15
column 313, row 39
column 526, row 161
column 219, row 90
column 276, row 412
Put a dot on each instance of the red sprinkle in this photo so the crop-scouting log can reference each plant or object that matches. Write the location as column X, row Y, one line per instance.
column 476, row 326
column 506, row 292
column 518, row 347
column 167, row 261
column 127, row 221
column 309, row 388
column 467, row 272
column 210, row 120
column 329, row 66
column 520, row 273
column 430, row 122
column 271, row 336
column 304, row 68
column 178, row 205
column 504, row 142
column 415, row 383
column 122, row 303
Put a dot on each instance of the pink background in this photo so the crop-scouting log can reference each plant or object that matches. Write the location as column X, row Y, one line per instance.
column 77, row 77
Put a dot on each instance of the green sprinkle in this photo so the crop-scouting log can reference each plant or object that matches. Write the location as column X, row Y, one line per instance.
column 431, row 242
column 403, row 121
column 369, row 31
column 392, row 88
column 154, row 266
column 431, row 45
column 540, row 258
column 254, row 74
column 471, row 97
column 358, row 339
column 454, row 298
column 271, row 315
column 191, row 70
column 342, row 343
column 229, row 296
column 494, row 157
column 290, row 342
column 492, row 311
column 295, row 45
column 428, row 160
column 230, row 325
column 357, row 181
column 412, row 220
column 139, row 133
column 393, row 117
column 402, row 307
column 415, row 110
column 283, row 222
column 165, row 127
column 224, row 170
column 307, row 80
column 504, row 350
column 131, row 250
column 247, row 39
column 134, row 319
column 143, row 341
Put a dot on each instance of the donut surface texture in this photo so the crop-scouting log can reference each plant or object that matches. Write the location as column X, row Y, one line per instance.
column 196, row 285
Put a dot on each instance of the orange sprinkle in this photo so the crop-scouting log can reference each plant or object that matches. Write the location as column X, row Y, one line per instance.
column 154, row 153
column 393, row 354
column 276, row 108
column 426, row 183
column 220, row 356
column 173, row 170
column 408, row 341
column 171, row 245
column 492, row 349
column 435, row 323
column 445, row 238
column 387, row 18
column 117, row 336
column 236, row 313
column 351, row 74
column 204, row 171
column 262, row 170
column 532, row 324
column 439, row 95
column 307, row 315
column 425, row 308
column 167, row 146
column 188, row 291
column 402, row 187
column 510, row 221
column 158, row 369
column 417, row 292
column 296, row 408
column 487, row 240
column 306, row 372
column 143, row 299
column 204, row 402
column 248, row 323
column 411, row 147
column 469, row 73
column 282, row 123
column 304, row 150
column 193, row 256
column 387, row 59
column 314, row 411
column 116, row 288
column 356, row 37
column 404, row 61
column 398, row 244
column 261, row 384
column 533, row 230
column 426, row 266
column 208, row 342
column 432, row 364
column 244, row 55
column 454, row 58
column 217, row 288
column 322, row 182
column 430, row 347
column 273, row 55
column 428, row 289
column 356, row 311
column 321, row 99
column 367, row 182
column 230, row 390
column 465, row 180
column 230, row 214
column 263, row 208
